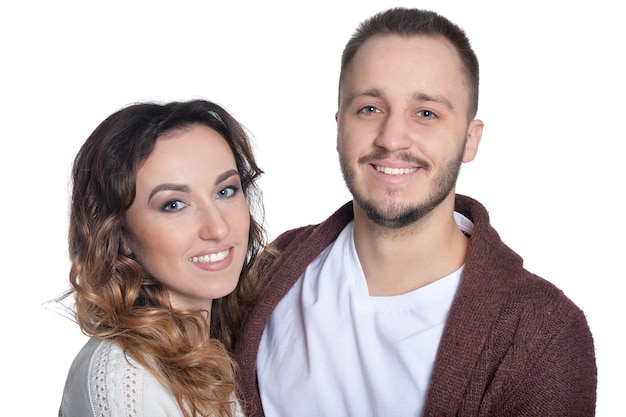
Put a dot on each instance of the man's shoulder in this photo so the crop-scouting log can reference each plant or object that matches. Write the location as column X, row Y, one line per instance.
column 323, row 233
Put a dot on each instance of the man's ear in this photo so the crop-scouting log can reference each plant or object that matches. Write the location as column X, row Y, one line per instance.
column 474, row 134
column 337, row 121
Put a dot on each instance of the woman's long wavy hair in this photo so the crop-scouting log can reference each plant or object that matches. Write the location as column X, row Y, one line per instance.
column 115, row 298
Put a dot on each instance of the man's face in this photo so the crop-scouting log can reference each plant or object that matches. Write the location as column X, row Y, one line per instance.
column 403, row 129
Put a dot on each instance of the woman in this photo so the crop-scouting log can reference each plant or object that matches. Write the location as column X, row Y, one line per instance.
column 161, row 241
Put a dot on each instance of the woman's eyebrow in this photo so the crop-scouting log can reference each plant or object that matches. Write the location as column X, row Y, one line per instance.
column 168, row 186
column 226, row 175
column 185, row 188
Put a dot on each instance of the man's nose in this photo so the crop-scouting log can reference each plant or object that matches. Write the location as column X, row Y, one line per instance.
column 394, row 132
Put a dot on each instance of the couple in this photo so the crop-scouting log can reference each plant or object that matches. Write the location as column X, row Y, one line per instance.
column 405, row 302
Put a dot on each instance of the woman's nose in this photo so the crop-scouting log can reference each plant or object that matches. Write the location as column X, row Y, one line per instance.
column 213, row 225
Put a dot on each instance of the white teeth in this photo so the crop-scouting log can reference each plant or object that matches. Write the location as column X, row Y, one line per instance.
column 395, row 171
column 214, row 257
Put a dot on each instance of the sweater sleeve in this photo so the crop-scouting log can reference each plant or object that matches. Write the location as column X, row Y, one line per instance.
column 131, row 390
column 548, row 373
column 102, row 381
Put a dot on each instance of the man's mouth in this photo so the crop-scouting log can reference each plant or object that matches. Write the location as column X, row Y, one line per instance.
column 394, row 171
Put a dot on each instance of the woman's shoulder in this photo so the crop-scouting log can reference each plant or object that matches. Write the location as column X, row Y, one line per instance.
column 104, row 381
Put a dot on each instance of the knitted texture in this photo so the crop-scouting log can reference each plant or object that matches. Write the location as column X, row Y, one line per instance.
column 115, row 383
column 513, row 345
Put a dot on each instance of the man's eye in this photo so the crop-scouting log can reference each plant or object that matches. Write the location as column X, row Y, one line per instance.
column 227, row 192
column 427, row 114
column 174, row 205
column 368, row 110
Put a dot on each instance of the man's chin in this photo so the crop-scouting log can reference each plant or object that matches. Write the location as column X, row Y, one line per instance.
column 389, row 216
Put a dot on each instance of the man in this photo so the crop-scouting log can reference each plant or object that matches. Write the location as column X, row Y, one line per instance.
column 405, row 302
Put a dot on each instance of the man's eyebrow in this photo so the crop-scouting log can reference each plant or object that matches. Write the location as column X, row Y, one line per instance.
column 415, row 96
column 168, row 186
column 418, row 96
column 372, row 92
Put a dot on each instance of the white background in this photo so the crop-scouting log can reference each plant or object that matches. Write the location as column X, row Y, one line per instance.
column 548, row 168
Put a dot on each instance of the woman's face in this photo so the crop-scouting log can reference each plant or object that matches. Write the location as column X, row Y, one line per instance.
column 189, row 222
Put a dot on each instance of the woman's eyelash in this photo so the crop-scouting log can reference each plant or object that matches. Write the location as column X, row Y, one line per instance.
column 229, row 191
column 172, row 205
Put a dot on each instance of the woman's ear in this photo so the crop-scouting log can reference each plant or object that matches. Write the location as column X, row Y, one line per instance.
column 126, row 250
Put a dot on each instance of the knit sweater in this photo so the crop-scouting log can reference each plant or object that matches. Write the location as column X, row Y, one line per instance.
column 513, row 344
column 104, row 382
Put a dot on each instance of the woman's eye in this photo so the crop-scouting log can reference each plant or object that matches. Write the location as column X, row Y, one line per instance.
column 174, row 205
column 227, row 192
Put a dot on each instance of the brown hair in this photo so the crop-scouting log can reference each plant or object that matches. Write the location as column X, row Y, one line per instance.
column 114, row 296
column 413, row 22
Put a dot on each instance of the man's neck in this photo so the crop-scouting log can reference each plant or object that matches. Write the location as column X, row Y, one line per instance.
column 397, row 261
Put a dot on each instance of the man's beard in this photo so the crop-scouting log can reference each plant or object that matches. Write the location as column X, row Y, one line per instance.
column 397, row 217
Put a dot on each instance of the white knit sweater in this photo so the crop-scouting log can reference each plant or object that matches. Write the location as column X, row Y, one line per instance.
column 103, row 382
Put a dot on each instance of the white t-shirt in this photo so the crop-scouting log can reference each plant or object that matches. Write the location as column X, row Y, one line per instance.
column 331, row 349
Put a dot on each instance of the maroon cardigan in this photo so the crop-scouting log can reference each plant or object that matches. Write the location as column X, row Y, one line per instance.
column 513, row 345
